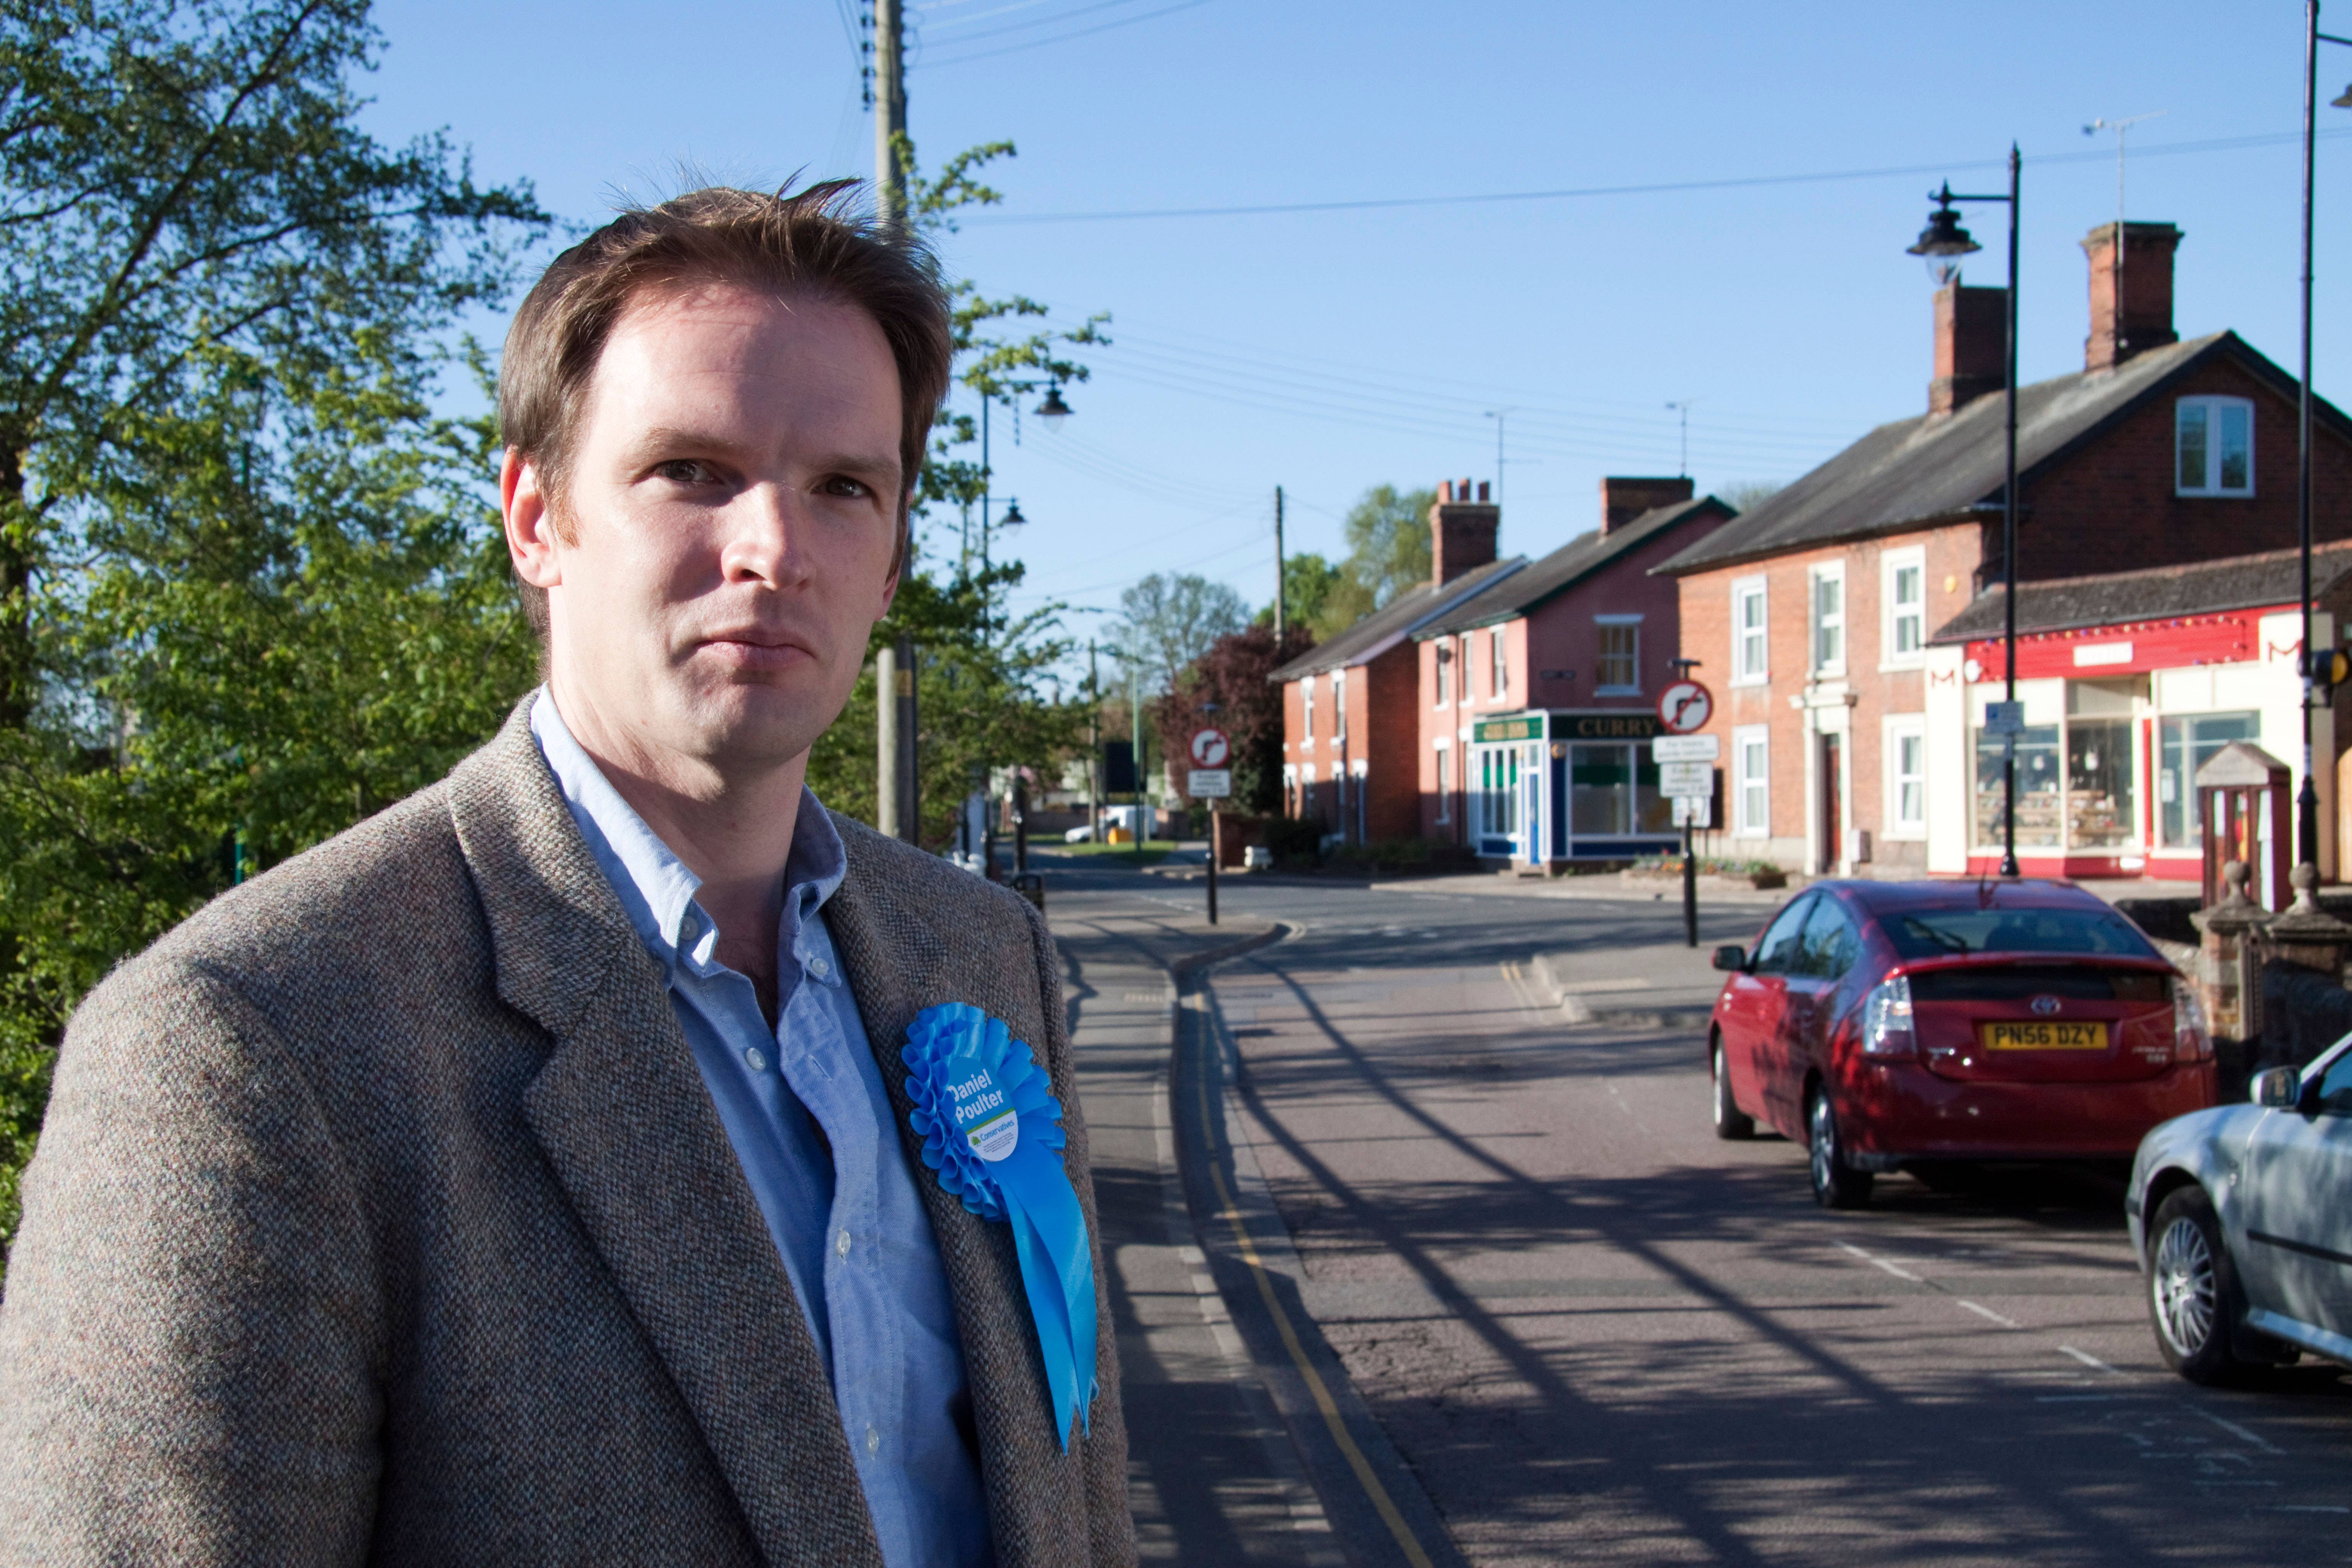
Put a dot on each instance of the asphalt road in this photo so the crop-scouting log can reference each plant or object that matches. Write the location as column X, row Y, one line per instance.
column 1592, row 1332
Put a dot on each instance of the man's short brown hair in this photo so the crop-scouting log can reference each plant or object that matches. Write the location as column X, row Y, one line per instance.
column 812, row 243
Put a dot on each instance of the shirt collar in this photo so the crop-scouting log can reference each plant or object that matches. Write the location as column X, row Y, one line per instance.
column 655, row 887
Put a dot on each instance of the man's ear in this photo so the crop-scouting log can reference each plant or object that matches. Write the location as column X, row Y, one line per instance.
column 530, row 521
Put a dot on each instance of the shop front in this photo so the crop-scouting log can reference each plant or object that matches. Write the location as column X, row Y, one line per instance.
column 1556, row 786
column 2117, row 720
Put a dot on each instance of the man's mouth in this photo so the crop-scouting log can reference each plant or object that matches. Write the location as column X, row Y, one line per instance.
column 758, row 648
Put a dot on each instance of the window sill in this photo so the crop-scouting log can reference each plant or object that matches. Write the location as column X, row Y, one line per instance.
column 1904, row 836
column 2213, row 495
column 1743, row 680
column 1617, row 691
column 1896, row 666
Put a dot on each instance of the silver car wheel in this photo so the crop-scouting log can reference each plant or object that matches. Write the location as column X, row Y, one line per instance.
column 2183, row 1282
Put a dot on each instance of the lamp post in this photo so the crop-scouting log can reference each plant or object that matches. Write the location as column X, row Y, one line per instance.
column 1052, row 410
column 1943, row 242
column 2307, row 798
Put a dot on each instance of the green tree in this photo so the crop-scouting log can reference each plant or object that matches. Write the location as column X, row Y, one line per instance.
column 1387, row 551
column 1166, row 621
column 1308, row 585
column 250, row 587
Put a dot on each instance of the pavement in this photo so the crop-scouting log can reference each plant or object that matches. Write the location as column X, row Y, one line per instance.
column 1411, row 1266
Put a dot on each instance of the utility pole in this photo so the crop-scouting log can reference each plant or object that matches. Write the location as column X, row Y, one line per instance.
column 897, row 770
column 1094, row 747
column 1281, row 588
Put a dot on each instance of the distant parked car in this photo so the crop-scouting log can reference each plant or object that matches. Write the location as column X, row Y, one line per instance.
column 1885, row 1023
column 2240, row 1220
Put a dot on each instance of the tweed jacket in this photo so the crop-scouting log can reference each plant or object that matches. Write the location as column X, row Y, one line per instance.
column 382, row 1215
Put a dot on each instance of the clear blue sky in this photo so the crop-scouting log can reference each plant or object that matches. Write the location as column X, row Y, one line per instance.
column 1331, row 351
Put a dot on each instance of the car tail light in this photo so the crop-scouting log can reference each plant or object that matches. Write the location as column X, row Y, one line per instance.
column 1886, row 1020
column 2191, row 1040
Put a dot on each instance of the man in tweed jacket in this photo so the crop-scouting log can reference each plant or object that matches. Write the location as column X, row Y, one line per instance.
column 416, row 1202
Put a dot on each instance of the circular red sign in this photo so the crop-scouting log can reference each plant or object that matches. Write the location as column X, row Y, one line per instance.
column 1686, row 706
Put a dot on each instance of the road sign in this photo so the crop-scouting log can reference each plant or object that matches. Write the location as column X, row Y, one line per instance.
column 1686, row 748
column 1210, row 750
column 2004, row 719
column 1687, row 779
column 1693, row 811
column 1209, row 784
column 1685, row 706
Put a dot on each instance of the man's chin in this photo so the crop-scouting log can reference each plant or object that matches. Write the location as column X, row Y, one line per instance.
column 751, row 724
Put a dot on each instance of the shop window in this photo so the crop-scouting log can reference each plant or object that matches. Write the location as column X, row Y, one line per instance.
column 2186, row 744
column 1750, row 658
column 1829, row 620
column 1752, row 803
column 1903, row 592
column 2076, row 785
column 1612, row 791
column 1906, row 778
column 1499, row 790
column 2213, row 445
column 1618, row 673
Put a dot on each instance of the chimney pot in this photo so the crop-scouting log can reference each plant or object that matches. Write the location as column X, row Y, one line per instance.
column 2131, row 303
column 1971, row 346
column 1482, row 492
column 1445, row 491
column 1461, row 531
column 1624, row 499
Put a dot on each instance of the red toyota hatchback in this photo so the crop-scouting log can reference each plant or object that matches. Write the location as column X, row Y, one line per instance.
column 1882, row 1022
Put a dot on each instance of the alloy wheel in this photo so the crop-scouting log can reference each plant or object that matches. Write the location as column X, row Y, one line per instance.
column 2186, row 1289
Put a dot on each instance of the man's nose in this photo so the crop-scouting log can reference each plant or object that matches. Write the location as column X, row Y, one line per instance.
column 765, row 533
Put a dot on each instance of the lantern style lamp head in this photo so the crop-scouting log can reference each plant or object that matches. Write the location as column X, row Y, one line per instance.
column 1943, row 242
column 1053, row 411
column 2343, row 102
column 1011, row 517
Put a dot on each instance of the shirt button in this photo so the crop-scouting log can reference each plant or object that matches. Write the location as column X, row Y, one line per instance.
column 820, row 968
column 841, row 1244
column 873, row 1441
column 757, row 1059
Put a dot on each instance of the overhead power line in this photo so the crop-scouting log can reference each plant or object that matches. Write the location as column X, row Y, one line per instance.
column 1659, row 187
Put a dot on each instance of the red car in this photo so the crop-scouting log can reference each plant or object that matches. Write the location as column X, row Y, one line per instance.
column 1883, row 1023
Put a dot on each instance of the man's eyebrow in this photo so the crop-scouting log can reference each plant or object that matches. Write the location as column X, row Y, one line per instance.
column 662, row 438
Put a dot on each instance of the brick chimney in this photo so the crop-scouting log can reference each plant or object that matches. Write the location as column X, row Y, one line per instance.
column 1461, row 531
column 1624, row 499
column 1971, row 346
column 2131, row 304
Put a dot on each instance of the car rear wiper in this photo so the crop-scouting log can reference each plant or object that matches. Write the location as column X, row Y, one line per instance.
column 1946, row 940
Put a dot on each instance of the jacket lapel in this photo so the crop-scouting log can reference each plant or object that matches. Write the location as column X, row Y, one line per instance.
column 622, row 1115
column 901, row 959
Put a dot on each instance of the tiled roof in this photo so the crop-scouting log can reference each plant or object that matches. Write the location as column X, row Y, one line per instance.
column 1394, row 621
column 1925, row 468
column 2156, row 593
column 1565, row 567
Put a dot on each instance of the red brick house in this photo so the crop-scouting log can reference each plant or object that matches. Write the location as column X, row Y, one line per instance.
column 1537, row 694
column 1351, row 706
column 1852, row 725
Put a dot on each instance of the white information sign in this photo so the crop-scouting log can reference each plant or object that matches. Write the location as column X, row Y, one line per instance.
column 1683, row 779
column 1686, row 748
column 2004, row 719
column 1693, row 811
column 1210, row 783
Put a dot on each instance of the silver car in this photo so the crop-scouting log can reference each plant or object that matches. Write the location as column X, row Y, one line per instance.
column 2241, row 1219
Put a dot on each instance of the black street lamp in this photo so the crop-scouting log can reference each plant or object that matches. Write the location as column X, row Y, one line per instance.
column 1944, row 237
column 1053, row 411
column 2306, row 844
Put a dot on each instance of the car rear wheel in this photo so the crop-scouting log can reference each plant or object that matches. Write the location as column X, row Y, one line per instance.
column 1836, row 1184
column 2193, row 1299
column 1730, row 1123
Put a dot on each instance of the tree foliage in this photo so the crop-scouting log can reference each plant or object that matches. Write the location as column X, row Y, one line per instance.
column 250, row 586
column 1310, row 585
column 1387, row 550
column 1166, row 621
column 1231, row 672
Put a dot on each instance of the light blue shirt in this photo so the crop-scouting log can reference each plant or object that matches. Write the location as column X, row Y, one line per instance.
column 850, row 1227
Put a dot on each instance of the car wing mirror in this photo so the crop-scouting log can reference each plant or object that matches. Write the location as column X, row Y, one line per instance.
column 2279, row 1089
column 1730, row 956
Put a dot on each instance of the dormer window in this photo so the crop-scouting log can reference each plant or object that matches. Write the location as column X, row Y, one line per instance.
column 2213, row 446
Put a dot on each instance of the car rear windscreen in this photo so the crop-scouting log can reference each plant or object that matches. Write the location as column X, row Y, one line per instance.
column 1934, row 933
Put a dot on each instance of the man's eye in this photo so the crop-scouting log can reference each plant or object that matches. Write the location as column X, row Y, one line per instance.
column 683, row 471
column 842, row 485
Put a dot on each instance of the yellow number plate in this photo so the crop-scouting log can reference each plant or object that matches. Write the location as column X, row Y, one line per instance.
column 2043, row 1036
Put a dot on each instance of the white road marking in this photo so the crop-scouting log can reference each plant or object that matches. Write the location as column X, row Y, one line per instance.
column 2239, row 1432
column 2088, row 1359
column 1899, row 1272
column 1989, row 1312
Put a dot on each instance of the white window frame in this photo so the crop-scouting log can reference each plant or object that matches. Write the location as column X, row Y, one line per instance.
column 1618, row 690
column 1892, row 614
column 1442, row 655
column 1499, row 652
column 2213, row 408
column 1338, row 704
column 1816, row 623
column 1307, row 699
column 1751, row 792
column 1469, row 681
column 1745, row 590
column 1896, row 728
column 1444, row 784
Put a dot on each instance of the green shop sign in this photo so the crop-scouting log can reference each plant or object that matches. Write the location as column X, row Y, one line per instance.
column 1631, row 725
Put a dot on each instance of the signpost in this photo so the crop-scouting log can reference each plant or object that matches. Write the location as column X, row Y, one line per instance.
column 1687, row 774
column 1213, row 781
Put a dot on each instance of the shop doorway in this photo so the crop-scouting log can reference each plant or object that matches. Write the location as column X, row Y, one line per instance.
column 1832, row 804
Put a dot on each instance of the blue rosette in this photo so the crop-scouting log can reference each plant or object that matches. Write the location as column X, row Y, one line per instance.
column 992, row 1130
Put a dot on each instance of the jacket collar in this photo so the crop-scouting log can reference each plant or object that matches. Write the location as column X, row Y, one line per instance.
column 621, row 1112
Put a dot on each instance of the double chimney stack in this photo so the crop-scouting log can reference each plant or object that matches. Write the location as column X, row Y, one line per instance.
column 2131, row 312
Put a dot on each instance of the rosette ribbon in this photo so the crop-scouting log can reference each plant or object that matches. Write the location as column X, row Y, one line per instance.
column 991, row 1127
